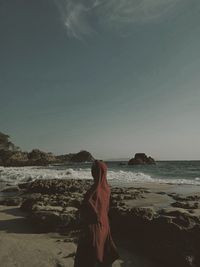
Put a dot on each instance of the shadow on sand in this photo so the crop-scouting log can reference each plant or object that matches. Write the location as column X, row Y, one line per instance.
column 12, row 220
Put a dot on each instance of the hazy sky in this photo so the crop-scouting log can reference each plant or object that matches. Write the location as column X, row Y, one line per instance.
column 113, row 77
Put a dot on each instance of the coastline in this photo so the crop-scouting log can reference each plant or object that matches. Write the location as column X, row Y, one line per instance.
column 148, row 219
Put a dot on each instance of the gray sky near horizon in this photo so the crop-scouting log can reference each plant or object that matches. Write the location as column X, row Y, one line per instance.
column 113, row 77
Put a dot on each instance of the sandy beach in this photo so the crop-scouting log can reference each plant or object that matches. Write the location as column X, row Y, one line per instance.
column 21, row 245
column 39, row 223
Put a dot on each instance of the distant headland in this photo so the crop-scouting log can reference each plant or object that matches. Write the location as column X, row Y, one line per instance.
column 12, row 156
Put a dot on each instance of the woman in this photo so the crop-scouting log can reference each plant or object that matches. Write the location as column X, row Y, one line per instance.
column 96, row 247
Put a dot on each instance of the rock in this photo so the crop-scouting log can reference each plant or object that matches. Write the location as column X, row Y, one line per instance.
column 185, row 198
column 186, row 205
column 122, row 164
column 46, row 220
column 64, row 158
column 13, row 158
column 11, row 201
column 38, row 157
column 58, row 186
column 19, row 158
column 144, row 213
column 37, row 207
column 11, row 189
column 52, row 218
column 70, row 218
column 141, row 159
column 29, row 201
column 82, row 156
column 180, row 217
column 24, row 185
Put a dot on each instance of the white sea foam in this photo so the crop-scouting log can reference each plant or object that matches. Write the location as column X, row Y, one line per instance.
column 20, row 174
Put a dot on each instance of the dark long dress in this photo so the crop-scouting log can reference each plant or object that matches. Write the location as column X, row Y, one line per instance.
column 96, row 247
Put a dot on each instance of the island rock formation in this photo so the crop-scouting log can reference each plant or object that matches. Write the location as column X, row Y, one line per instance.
column 141, row 159
column 82, row 156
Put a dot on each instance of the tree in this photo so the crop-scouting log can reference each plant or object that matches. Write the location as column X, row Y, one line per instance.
column 5, row 143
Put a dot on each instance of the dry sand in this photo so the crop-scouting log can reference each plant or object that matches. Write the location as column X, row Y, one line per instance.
column 22, row 246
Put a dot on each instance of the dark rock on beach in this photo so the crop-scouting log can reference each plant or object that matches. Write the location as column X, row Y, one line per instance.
column 141, row 159
column 11, row 189
column 11, row 201
column 52, row 186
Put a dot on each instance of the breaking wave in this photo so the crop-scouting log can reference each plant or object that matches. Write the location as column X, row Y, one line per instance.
column 15, row 175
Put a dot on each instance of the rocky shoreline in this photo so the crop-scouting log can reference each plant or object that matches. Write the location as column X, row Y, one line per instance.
column 36, row 157
column 158, row 223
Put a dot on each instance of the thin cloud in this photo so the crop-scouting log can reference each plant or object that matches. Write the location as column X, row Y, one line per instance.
column 137, row 11
column 76, row 14
column 75, row 17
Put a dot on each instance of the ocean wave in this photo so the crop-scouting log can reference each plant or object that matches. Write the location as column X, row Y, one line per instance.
column 15, row 175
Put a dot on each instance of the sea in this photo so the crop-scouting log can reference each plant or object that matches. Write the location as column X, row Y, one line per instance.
column 119, row 173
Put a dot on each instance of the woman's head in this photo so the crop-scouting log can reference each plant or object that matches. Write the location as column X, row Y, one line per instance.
column 99, row 171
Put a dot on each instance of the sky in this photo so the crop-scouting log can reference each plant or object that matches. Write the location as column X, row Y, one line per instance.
column 112, row 77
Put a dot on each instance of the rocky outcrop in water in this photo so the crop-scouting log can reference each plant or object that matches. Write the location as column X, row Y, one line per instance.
column 82, row 156
column 141, row 159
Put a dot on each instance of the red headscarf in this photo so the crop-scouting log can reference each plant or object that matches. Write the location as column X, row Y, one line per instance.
column 98, row 198
column 99, row 194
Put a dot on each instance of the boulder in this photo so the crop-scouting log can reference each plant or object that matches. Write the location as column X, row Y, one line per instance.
column 141, row 159
column 17, row 158
column 82, row 156
column 46, row 220
column 49, row 218
column 11, row 189
column 13, row 158
column 11, row 201
column 52, row 186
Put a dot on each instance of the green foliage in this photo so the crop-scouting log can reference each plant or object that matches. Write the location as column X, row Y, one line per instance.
column 5, row 143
